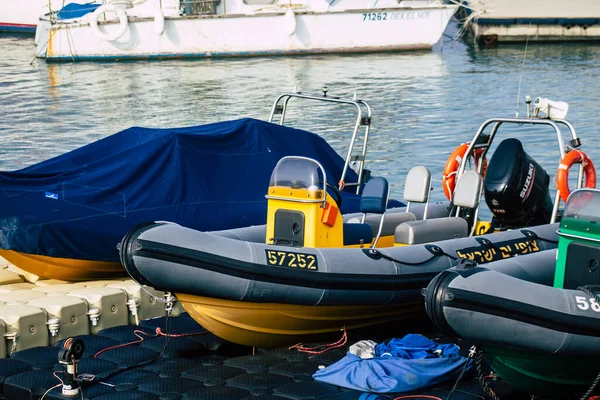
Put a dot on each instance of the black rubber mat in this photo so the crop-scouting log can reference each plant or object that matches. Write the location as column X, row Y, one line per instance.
column 193, row 367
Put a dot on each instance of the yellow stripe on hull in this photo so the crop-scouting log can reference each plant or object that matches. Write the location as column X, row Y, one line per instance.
column 66, row 269
column 272, row 325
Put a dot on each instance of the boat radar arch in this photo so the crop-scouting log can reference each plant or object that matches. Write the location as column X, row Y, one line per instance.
column 556, row 111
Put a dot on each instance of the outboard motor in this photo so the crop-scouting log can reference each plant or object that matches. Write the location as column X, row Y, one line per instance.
column 516, row 188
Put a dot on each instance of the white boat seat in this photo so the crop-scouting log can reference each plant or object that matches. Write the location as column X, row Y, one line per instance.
column 374, row 200
column 431, row 230
column 468, row 190
column 417, row 187
column 466, row 195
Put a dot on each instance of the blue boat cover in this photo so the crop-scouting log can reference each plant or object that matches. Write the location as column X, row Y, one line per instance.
column 401, row 365
column 80, row 204
column 76, row 10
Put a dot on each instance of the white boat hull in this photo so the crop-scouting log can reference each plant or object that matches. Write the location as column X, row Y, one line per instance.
column 24, row 17
column 274, row 33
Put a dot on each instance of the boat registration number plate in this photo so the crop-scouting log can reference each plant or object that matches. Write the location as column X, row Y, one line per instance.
column 291, row 259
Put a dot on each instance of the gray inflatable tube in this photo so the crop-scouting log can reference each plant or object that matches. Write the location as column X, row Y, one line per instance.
column 235, row 265
column 511, row 303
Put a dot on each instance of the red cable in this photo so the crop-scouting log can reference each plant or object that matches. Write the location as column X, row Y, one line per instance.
column 594, row 398
column 320, row 349
column 138, row 333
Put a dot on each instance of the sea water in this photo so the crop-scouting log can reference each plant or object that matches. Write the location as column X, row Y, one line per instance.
column 425, row 103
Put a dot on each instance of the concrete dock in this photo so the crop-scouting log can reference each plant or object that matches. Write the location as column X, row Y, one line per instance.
column 496, row 21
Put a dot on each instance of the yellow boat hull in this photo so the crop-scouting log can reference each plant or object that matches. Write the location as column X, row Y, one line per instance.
column 271, row 325
column 63, row 268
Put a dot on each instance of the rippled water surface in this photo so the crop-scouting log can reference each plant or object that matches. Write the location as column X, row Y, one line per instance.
column 424, row 103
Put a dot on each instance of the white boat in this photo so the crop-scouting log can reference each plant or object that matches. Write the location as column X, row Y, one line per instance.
column 492, row 21
column 218, row 28
column 24, row 17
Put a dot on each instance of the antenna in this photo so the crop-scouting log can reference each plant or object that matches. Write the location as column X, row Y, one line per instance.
column 521, row 75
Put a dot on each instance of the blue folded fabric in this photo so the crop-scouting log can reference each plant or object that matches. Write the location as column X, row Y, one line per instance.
column 76, row 10
column 401, row 365
column 413, row 346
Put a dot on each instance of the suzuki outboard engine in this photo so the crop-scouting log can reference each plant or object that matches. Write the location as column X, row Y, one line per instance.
column 516, row 188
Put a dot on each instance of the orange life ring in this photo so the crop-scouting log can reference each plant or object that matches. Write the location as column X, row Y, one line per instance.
column 452, row 165
column 562, row 177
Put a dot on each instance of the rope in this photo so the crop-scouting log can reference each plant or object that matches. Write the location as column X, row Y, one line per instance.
column 472, row 351
column 94, row 379
column 49, row 390
column 157, row 333
column 323, row 347
column 487, row 389
column 591, row 389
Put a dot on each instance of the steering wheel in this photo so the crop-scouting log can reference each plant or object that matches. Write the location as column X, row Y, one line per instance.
column 335, row 194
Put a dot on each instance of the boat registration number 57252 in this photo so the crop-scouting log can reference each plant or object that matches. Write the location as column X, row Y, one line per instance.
column 291, row 259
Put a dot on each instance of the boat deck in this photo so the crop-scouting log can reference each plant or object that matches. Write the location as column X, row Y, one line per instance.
column 197, row 366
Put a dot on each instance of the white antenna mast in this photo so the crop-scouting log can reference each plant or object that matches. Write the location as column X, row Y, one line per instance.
column 521, row 75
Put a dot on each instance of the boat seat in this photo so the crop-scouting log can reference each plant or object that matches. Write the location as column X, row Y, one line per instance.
column 357, row 233
column 431, row 230
column 374, row 200
column 417, row 187
column 468, row 191
column 466, row 195
column 389, row 224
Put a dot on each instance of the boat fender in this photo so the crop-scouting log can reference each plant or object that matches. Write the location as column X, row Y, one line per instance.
column 289, row 22
column 159, row 22
column 108, row 36
column 562, row 177
column 452, row 165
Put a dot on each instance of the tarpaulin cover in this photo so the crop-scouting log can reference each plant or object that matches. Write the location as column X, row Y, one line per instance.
column 76, row 10
column 401, row 365
column 80, row 204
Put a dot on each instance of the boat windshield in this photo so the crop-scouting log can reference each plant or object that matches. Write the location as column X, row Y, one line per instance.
column 583, row 204
column 298, row 173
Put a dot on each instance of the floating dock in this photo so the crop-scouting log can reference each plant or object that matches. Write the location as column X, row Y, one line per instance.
column 132, row 350
column 497, row 21
column 195, row 366
column 41, row 312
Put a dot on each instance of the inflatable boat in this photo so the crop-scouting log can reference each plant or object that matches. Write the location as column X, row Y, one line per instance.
column 63, row 218
column 536, row 317
column 309, row 270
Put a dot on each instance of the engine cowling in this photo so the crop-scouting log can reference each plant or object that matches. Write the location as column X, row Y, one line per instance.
column 516, row 188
